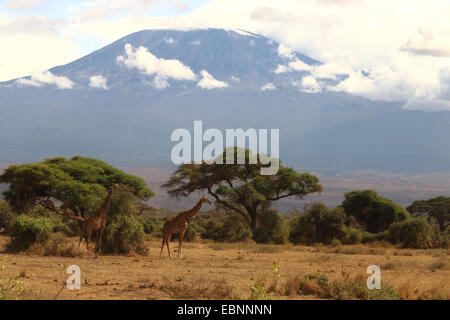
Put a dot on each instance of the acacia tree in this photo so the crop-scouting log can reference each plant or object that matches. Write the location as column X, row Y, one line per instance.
column 437, row 208
column 241, row 188
column 79, row 183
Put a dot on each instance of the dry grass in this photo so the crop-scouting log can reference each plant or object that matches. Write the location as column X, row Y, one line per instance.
column 232, row 271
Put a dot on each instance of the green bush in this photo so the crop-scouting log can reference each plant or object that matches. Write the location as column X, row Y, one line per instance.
column 6, row 214
column 26, row 230
column 271, row 228
column 368, row 237
column 150, row 224
column 319, row 224
column 353, row 236
column 124, row 234
column 411, row 233
column 371, row 211
column 231, row 228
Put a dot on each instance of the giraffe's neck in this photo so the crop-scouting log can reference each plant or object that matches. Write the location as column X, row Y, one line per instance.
column 194, row 210
column 105, row 206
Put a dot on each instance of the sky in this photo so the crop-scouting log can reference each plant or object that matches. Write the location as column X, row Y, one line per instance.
column 404, row 46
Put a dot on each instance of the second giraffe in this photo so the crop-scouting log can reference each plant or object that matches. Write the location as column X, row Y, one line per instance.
column 179, row 225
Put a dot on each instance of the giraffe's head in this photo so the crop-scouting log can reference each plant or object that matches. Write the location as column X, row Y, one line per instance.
column 205, row 199
column 115, row 186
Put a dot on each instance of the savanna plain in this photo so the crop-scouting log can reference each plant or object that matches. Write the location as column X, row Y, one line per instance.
column 211, row 270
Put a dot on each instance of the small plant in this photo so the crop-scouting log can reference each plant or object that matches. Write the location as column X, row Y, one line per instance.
column 10, row 288
column 336, row 243
column 259, row 292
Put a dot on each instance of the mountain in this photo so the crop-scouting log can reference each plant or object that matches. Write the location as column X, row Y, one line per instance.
column 152, row 82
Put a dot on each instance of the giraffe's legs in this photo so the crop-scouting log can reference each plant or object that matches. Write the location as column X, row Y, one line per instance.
column 100, row 238
column 162, row 246
column 179, row 254
column 167, row 243
column 87, row 238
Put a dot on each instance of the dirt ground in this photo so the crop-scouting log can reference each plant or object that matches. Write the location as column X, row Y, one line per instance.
column 224, row 271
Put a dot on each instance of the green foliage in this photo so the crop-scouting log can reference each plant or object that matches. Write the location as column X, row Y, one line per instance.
column 79, row 183
column 271, row 228
column 231, row 228
column 26, row 230
column 258, row 291
column 320, row 224
column 373, row 212
column 124, row 234
column 411, row 233
column 240, row 188
column 6, row 214
column 437, row 208
column 150, row 224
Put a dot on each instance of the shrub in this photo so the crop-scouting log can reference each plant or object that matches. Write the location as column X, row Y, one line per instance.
column 353, row 236
column 321, row 286
column 411, row 233
column 60, row 246
column 26, row 230
column 124, row 234
column 150, row 224
column 6, row 214
column 319, row 224
column 373, row 212
column 271, row 228
column 231, row 228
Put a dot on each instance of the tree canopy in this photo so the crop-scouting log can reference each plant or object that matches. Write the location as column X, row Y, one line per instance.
column 373, row 212
column 78, row 183
column 437, row 208
column 241, row 188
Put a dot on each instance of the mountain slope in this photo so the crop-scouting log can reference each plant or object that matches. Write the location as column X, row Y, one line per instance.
column 130, row 123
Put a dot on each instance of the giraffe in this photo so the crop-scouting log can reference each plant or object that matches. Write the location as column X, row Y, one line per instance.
column 179, row 225
column 96, row 222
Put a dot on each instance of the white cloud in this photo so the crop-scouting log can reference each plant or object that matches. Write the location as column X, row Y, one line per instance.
column 268, row 87
column 281, row 69
column 310, row 85
column 427, row 105
column 149, row 64
column 46, row 77
column 285, row 52
column 160, row 82
column 98, row 81
column 19, row 5
column 169, row 41
column 299, row 65
column 208, row 82
column 18, row 35
column 98, row 9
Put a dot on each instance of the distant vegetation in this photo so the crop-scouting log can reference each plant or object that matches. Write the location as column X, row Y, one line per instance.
column 243, row 210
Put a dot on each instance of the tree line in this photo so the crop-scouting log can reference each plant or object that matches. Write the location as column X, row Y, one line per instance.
column 243, row 200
